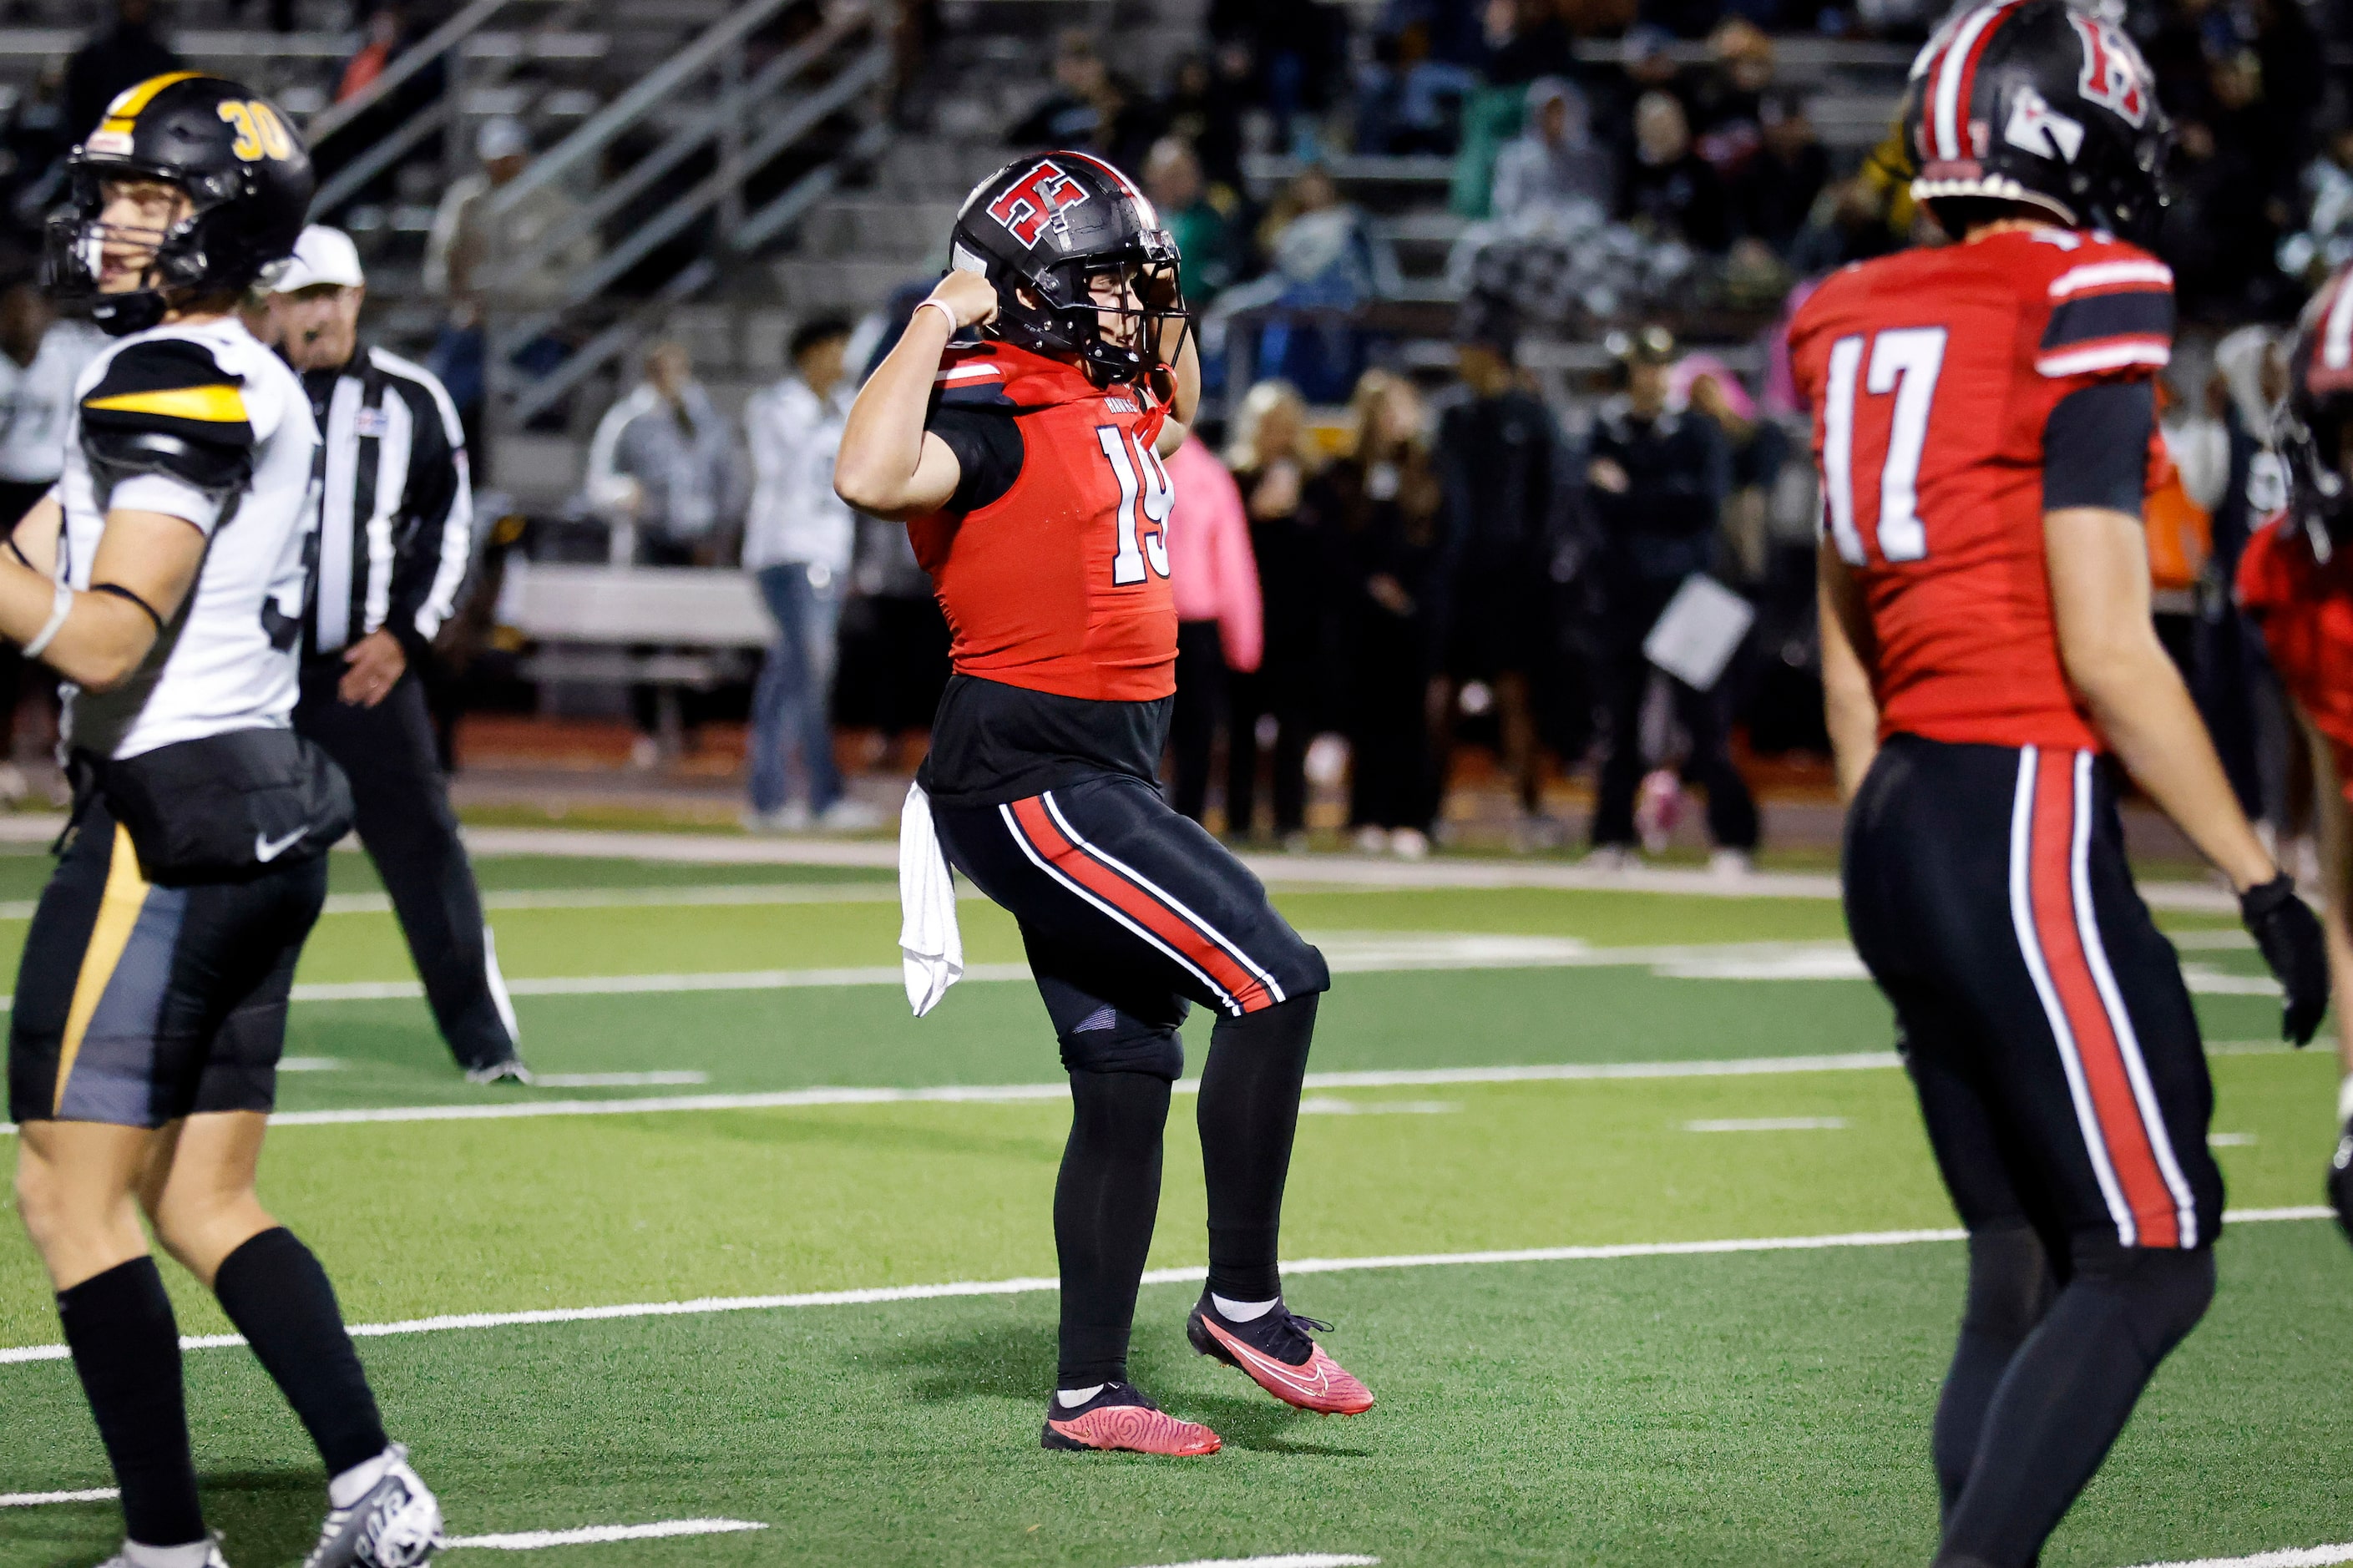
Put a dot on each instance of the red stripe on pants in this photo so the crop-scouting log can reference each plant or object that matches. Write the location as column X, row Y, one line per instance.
column 1038, row 825
column 2131, row 1154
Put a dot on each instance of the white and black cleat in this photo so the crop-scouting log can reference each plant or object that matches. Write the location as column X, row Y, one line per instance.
column 506, row 1069
column 397, row 1524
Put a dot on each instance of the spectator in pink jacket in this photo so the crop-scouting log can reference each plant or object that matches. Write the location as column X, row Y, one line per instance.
column 1219, row 623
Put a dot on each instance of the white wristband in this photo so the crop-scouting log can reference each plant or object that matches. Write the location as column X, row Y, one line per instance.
column 59, row 608
column 943, row 309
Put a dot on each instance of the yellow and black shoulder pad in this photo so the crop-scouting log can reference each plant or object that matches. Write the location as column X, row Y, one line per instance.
column 166, row 406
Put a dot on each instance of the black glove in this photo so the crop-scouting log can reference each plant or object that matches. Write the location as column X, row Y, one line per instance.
column 2287, row 931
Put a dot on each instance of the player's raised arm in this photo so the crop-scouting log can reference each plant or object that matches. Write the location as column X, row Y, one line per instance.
column 889, row 465
column 1184, row 400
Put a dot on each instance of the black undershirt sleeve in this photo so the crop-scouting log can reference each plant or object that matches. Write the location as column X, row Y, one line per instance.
column 988, row 447
column 2096, row 447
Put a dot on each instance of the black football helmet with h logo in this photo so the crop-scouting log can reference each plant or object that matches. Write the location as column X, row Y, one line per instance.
column 243, row 167
column 2042, row 104
column 1041, row 229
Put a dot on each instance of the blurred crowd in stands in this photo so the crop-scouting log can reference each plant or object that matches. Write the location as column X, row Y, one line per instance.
column 1395, row 538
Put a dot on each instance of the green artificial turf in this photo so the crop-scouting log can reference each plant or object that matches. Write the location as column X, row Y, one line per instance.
column 1723, row 1409
column 1718, row 1410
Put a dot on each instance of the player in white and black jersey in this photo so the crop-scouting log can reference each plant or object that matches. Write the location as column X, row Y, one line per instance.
column 164, row 579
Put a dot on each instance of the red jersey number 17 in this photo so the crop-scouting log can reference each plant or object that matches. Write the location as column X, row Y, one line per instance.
column 1903, row 361
column 1145, row 498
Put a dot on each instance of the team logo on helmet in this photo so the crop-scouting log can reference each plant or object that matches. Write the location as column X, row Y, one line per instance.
column 2113, row 73
column 1037, row 199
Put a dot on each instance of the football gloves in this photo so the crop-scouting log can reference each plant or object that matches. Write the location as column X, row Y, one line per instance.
column 2289, row 934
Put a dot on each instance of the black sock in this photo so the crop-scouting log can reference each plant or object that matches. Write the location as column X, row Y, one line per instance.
column 126, row 1348
column 1249, row 1111
column 2011, row 1288
column 1104, row 1203
column 275, row 1293
column 2066, row 1396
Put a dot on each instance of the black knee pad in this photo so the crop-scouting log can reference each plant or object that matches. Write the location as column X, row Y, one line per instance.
column 2011, row 1283
column 1112, row 1041
column 2161, row 1292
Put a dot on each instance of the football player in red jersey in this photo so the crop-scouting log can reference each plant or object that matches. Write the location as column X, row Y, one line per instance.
column 1981, row 421
column 1018, row 428
column 2295, row 577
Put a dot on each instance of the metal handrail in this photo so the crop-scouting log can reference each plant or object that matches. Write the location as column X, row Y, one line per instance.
column 626, row 110
column 679, row 145
column 756, row 229
column 781, row 133
column 431, row 47
column 382, row 154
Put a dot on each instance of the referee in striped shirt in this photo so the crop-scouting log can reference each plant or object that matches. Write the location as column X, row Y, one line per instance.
column 395, row 530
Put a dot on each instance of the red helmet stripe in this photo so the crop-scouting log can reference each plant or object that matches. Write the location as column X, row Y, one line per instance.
column 1955, row 78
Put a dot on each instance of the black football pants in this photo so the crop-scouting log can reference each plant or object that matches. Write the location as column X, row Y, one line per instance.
column 409, row 831
column 2056, row 1058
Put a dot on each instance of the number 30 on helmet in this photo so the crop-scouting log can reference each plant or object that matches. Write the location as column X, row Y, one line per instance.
column 247, row 177
column 1041, row 229
column 2038, row 104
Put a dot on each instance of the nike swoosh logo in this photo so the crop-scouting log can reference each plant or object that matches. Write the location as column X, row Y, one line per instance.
column 1283, row 1370
column 265, row 849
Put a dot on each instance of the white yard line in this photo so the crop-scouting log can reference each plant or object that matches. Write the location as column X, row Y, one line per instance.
column 1302, row 871
column 2292, row 1557
column 706, row 1306
column 596, row 1534
column 1325, row 1105
column 1286, row 1560
column 1768, row 1124
column 39, row 1500
column 615, row 1079
column 1016, row 1094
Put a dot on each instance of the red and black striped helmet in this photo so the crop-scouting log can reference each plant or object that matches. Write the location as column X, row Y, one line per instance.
column 2039, row 103
column 1040, row 229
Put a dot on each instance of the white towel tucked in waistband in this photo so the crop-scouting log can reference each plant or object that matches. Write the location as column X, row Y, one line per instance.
column 931, row 949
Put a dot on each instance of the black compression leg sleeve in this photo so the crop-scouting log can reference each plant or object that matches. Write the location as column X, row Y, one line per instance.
column 126, row 1349
column 275, row 1293
column 2067, row 1395
column 2011, row 1288
column 1104, row 1203
column 1249, row 1111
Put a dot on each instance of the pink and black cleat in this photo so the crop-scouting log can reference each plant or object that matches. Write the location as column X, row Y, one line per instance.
column 1119, row 1418
column 1276, row 1352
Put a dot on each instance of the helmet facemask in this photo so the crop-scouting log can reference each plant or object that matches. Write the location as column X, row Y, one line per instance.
column 177, row 269
column 1119, row 340
column 2316, row 449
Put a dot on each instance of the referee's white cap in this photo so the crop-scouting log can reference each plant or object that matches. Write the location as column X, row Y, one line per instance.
column 322, row 255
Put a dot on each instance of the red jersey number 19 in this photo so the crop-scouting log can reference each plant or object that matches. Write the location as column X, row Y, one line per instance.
column 1905, row 361
column 1145, row 503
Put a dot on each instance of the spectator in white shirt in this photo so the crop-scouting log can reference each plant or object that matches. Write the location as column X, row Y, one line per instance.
column 797, row 543
column 41, row 357
column 662, row 468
